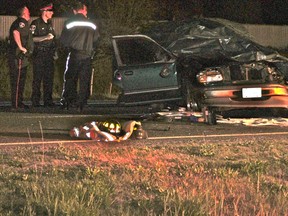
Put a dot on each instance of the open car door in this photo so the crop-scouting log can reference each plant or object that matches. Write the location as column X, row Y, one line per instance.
column 145, row 71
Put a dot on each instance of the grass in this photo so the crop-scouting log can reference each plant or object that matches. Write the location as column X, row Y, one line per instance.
column 146, row 178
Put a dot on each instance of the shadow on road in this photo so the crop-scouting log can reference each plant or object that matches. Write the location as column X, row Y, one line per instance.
column 255, row 113
column 111, row 108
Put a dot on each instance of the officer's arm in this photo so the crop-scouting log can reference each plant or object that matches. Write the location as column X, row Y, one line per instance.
column 50, row 36
column 96, row 38
column 17, row 38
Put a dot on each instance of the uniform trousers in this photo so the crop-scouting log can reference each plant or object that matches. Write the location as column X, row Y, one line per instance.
column 78, row 72
column 18, row 71
column 43, row 73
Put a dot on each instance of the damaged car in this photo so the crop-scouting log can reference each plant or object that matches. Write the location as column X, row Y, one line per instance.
column 208, row 65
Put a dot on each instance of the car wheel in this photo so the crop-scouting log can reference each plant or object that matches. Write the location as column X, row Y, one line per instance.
column 120, row 100
column 189, row 100
column 209, row 116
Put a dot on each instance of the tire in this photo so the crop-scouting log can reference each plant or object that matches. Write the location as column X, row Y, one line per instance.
column 209, row 116
column 189, row 100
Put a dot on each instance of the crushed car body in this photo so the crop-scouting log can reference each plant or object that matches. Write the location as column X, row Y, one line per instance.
column 209, row 64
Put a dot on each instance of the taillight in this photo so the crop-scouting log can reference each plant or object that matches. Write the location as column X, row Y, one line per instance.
column 280, row 91
column 209, row 76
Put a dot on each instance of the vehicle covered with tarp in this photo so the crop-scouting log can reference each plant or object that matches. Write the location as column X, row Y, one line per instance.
column 210, row 64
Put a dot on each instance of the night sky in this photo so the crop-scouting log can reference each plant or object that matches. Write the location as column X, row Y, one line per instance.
column 9, row 7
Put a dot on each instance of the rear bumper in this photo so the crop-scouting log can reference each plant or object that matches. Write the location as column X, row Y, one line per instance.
column 231, row 97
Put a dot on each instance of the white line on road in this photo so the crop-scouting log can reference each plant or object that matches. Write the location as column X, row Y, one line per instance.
column 219, row 135
column 59, row 116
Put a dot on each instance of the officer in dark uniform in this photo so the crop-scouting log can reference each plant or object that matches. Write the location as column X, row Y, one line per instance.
column 43, row 56
column 79, row 37
column 20, row 46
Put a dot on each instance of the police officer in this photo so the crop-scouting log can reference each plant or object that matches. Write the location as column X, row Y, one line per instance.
column 79, row 36
column 43, row 56
column 20, row 46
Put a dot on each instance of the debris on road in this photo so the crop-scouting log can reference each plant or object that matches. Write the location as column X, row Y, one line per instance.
column 109, row 131
column 197, row 117
column 183, row 115
column 282, row 122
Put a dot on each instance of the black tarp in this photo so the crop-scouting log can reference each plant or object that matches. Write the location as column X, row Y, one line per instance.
column 210, row 39
column 213, row 42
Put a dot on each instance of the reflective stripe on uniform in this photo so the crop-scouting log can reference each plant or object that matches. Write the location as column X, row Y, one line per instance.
column 80, row 24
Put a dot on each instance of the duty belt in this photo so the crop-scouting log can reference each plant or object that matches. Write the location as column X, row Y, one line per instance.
column 81, row 52
column 44, row 49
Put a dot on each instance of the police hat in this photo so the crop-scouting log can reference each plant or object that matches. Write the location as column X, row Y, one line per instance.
column 46, row 7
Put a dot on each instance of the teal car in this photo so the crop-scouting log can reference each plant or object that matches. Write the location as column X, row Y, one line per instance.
column 146, row 72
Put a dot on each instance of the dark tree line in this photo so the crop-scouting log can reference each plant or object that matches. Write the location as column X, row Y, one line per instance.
column 245, row 11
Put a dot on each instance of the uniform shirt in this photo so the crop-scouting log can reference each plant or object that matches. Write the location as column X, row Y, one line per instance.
column 80, row 34
column 21, row 25
column 39, row 28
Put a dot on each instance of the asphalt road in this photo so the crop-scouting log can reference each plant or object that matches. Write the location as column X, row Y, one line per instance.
column 35, row 126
